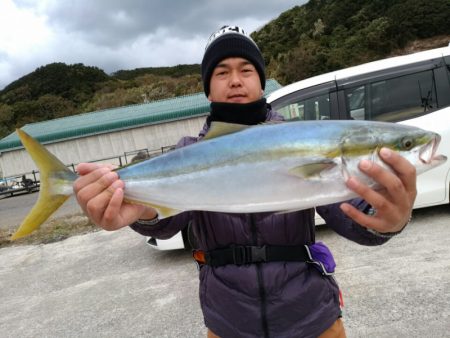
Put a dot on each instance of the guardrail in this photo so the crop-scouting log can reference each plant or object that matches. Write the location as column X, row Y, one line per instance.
column 19, row 184
column 29, row 182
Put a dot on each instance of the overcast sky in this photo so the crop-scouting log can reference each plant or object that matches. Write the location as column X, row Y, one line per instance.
column 118, row 34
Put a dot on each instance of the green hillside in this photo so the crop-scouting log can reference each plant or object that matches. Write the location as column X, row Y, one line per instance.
column 326, row 35
column 320, row 36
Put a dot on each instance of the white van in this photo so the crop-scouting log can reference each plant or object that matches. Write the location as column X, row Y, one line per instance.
column 411, row 89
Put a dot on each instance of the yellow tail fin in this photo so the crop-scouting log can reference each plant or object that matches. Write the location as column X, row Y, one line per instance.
column 55, row 187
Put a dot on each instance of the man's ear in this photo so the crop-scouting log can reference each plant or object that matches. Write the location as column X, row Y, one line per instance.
column 209, row 98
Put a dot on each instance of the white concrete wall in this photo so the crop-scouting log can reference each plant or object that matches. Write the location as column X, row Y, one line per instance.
column 100, row 146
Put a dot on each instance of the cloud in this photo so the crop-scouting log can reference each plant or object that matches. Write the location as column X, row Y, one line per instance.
column 116, row 34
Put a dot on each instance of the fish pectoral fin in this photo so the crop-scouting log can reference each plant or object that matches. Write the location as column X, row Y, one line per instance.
column 221, row 128
column 163, row 212
column 312, row 170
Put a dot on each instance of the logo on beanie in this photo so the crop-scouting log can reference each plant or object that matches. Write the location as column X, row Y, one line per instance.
column 227, row 30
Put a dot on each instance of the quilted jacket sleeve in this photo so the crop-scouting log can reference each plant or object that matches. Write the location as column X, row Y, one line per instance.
column 348, row 228
column 165, row 228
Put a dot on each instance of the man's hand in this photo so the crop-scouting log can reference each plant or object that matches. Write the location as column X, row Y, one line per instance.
column 99, row 192
column 394, row 203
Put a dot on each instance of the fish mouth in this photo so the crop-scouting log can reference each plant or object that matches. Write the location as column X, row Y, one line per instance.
column 427, row 153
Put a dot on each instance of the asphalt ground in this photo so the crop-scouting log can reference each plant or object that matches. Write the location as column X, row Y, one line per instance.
column 14, row 209
column 111, row 284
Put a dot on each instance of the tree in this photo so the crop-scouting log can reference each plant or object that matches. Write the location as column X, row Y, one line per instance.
column 6, row 117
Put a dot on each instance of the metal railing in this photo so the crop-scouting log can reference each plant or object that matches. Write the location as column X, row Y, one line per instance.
column 29, row 181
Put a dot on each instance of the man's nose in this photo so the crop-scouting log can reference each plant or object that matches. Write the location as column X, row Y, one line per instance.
column 235, row 79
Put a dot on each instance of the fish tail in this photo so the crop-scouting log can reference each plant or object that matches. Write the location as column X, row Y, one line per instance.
column 55, row 185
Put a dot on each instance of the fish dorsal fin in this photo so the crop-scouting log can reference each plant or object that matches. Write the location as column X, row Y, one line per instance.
column 222, row 128
column 312, row 170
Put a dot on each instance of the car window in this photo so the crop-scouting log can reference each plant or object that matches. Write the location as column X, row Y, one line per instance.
column 394, row 99
column 356, row 102
column 313, row 108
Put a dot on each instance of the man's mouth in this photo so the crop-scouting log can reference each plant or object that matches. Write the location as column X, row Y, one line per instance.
column 237, row 98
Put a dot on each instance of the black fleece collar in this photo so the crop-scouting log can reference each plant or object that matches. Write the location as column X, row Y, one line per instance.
column 247, row 113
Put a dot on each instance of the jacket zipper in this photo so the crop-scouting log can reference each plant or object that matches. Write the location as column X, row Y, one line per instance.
column 262, row 292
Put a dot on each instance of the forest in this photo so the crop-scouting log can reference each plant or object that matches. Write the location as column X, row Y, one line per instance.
column 307, row 40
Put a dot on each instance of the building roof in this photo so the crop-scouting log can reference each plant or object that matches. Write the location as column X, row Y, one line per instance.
column 115, row 119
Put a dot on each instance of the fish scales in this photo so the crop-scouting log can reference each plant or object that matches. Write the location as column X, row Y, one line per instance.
column 249, row 171
column 245, row 169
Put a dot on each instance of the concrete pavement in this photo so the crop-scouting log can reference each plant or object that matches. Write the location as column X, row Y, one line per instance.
column 111, row 284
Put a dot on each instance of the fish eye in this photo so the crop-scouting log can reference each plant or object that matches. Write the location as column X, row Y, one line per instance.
column 407, row 143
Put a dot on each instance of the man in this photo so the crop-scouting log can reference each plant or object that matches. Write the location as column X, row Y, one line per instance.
column 241, row 296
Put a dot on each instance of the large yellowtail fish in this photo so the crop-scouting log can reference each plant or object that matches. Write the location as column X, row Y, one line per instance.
column 272, row 167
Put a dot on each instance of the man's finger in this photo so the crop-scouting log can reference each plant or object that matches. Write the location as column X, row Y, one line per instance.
column 390, row 181
column 94, row 197
column 360, row 217
column 85, row 168
column 110, row 217
column 371, row 196
column 405, row 171
column 96, row 181
column 97, row 205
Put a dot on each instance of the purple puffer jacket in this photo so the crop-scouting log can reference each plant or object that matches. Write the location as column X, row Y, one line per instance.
column 276, row 299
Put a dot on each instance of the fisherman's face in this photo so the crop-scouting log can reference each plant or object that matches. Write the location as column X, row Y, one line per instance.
column 235, row 80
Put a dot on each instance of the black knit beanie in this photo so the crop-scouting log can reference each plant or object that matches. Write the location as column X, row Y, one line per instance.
column 230, row 41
